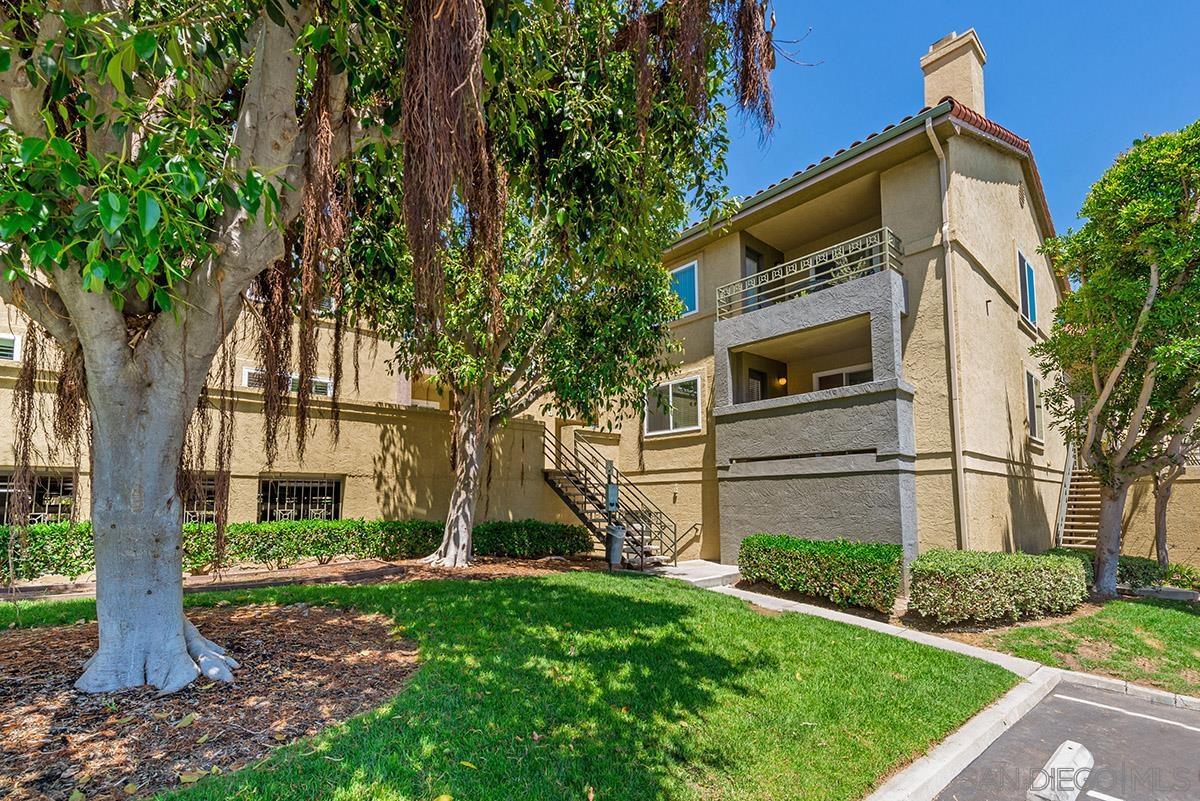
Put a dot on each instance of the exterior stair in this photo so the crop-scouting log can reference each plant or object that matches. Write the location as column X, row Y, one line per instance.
column 1082, row 518
column 584, row 480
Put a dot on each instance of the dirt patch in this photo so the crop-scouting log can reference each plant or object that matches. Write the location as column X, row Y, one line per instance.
column 303, row 668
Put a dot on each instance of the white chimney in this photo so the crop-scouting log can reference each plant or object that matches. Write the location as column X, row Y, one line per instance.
column 954, row 67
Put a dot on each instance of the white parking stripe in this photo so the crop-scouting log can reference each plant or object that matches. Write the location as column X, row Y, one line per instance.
column 1127, row 712
column 1102, row 796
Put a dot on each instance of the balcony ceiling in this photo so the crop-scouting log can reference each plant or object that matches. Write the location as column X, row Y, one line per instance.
column 833, row 211
column 820, row 341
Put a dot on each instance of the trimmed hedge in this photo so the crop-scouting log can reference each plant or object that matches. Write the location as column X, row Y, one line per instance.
column 846, row 573
column 63, row 549
column 982, row 587
column 1138, row 571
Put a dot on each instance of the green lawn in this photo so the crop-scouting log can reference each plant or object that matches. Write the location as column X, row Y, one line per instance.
column 1148, row 642
column 638, row 688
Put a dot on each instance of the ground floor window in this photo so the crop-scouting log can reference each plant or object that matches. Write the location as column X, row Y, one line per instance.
column 200, row 500
column 299, row 499
column 53, row 499
column 674, row 406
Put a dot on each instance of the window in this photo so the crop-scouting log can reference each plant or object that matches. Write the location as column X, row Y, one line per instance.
column 53, row 497
column 1034, row 406
column 299, row 499
column 844, row 377
column 9, row 347
column 674, row 406
column 756, row 389
column 199, row 497
column 1028, row 290
column 257, row 379
column 683, row 284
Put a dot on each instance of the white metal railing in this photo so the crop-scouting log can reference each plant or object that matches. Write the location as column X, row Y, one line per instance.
column 863, row 255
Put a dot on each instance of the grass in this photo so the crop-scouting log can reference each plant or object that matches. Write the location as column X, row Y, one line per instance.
column 1147, row 641
column 636, row 688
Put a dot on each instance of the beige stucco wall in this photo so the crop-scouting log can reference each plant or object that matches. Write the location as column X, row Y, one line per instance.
column 1183, row 519
column 1014, row 481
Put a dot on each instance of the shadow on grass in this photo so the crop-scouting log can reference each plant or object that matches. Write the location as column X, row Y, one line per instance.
column 529, row 689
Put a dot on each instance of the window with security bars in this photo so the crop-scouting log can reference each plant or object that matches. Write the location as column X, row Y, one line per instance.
column 299, row 499
column 200, row 500
column 53, row 499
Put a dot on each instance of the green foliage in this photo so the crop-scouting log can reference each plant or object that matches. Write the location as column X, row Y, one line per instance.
column 529, row 539
column 1142, row 216
column 847, row 573
column 1138, row 571
column 985, row 587
column 63, row 549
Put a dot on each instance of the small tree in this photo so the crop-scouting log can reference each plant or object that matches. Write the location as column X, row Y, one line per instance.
column 1125, row 347
column 1164, row 483
column 601, row 127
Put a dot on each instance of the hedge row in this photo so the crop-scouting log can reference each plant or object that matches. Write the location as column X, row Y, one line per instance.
column 981, row 587
column 1138, row 571
column 844, row 572
column 63, row 549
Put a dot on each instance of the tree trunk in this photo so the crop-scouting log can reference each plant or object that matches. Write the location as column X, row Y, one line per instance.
column 1162, row 498
column 137, row 523
column 1108, row 539
column 472, row 435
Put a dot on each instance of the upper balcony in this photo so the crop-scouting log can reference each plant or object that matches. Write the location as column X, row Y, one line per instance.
column 856, row 258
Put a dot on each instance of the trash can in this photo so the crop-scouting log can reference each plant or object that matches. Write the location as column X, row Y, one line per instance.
column 616, row 545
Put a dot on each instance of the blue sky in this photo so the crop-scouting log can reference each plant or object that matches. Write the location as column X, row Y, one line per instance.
column 1080, row 80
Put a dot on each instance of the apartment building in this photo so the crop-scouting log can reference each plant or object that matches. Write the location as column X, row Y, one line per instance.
column 856, row 346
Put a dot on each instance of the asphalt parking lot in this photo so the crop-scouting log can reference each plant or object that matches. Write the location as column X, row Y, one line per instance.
column 1132, row 750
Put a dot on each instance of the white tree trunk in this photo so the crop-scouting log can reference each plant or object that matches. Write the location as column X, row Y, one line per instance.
column 137, row 524
column 1108, row 539
column 473, row 433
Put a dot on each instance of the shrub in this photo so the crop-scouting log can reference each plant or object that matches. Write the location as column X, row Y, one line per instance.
column 980, row 587
column 530, row 539
column 402, row 539
column 847, row 573
column 49, row 548
column 59, row 548
column 1138, row 571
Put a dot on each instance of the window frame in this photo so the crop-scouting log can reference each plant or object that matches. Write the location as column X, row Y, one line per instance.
column 1027, row 286
column 299, row 482
column 293, row 382
column 699, row 379
column 16, row 346
column 854, row 368
column 1035, row 408
column 694, row 266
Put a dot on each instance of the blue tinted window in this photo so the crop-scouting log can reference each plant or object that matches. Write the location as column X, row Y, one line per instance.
column 683, row 283
column 1028, row 290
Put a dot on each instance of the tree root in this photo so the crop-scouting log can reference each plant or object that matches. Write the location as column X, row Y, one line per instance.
column 166, row 663
column 442, row 560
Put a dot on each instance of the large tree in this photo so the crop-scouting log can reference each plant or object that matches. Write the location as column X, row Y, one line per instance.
column 1125, row 346
column 605, row 133
column 157, row 157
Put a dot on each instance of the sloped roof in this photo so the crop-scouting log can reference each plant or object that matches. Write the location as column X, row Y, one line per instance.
column 960, row 112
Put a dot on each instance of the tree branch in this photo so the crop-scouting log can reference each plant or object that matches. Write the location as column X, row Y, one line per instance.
column 1139, row 412
column 41, row 304
column 1115, row 374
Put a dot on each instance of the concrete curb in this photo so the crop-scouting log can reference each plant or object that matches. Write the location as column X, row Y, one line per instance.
column 1022, row 667
column 1163, row 697
column 929, row 775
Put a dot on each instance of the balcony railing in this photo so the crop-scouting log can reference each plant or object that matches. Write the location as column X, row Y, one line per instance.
column 863, row 255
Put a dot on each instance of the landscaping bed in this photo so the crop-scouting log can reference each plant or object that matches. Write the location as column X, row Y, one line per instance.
column 581, row 684
column 302, row 670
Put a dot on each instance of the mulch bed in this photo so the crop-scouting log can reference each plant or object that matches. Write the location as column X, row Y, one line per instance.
column 303, row 669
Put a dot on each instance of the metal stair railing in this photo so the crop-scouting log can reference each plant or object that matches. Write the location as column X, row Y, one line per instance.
column 646, row 525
